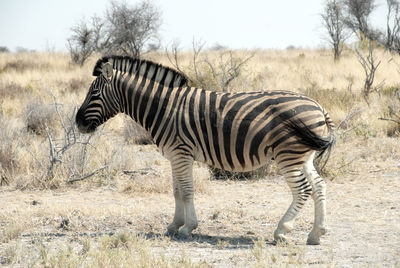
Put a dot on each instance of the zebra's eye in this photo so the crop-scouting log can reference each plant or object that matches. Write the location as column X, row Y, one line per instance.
column 95, row 92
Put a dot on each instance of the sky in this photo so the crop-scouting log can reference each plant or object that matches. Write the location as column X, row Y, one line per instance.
column 270, row 24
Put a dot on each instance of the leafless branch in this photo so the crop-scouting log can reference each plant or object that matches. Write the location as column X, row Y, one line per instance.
column 173, row 55
column 352, row 114
column 390, row 119
column 369, row 64
column 75, row 179
column 394, row 110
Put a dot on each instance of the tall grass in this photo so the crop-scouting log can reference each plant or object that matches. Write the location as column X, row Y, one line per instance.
column 30, row 82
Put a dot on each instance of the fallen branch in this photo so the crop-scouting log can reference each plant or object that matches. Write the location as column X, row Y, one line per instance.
column 390, row 119
column 348, row 117
column 143, row 171
column 86, row 176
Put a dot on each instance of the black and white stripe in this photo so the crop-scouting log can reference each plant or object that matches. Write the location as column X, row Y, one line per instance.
column 237, row 132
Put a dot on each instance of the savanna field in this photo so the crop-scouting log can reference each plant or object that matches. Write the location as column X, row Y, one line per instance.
column 105, row 199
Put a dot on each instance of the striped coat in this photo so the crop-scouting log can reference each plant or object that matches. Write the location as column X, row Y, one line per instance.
column 237, row 132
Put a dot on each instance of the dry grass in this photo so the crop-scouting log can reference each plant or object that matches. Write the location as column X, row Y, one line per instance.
column 28, row 81
column 139, row 176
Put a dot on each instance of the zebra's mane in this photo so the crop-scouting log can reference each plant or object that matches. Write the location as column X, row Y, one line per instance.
column 138, row 66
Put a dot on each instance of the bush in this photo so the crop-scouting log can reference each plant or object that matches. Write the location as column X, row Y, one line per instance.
column 74, row 85
column 8, row 159
column 211, row 70
column 135, row 134
column 4, row 49
column 333, row 98
column 38, row 116
column 80, row 44
column 21, row 65
column 267, row 170
column 125, row 29
column 11, row 89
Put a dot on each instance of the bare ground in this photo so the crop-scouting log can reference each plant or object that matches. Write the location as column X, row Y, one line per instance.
column 363, row 218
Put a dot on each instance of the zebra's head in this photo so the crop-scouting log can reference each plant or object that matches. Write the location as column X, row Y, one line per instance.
column 99, row 104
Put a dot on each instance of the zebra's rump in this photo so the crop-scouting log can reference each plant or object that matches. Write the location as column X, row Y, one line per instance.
column 240, row 131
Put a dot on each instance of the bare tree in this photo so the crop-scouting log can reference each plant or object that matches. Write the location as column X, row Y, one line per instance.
column 357, row 18
column 80, row 44
column 125, row 29
column 333, row 20
column 100, row 38
column 370, row 65
column 132, row 30
column 392, row 38
column 4, row 49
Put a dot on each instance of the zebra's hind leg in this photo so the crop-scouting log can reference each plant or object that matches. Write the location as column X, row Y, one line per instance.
column 319, row 197
column 185, row 214
column 301, row 190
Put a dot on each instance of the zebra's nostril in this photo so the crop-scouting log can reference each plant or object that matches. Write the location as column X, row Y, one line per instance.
column 80, row 118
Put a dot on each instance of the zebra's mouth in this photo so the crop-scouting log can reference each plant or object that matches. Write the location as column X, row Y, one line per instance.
column 84, row 126
column 91, row 127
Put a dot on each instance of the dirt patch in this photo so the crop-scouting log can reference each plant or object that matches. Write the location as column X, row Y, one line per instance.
column 236, row 222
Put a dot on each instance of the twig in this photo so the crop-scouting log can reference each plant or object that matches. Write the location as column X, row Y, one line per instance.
column 346, row 164
column 349, row 116
column 376, row 170
column 86, row 176
column 390, row 119
column 143, row 171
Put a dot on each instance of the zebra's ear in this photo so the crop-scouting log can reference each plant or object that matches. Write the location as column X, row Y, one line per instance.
column 107, row 70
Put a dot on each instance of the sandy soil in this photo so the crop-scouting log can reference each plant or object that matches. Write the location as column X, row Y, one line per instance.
column 363, row 220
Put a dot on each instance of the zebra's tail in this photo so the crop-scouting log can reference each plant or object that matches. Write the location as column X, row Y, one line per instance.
column 307, row 137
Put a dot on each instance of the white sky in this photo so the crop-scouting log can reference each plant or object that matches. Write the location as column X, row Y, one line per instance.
column 45, row 24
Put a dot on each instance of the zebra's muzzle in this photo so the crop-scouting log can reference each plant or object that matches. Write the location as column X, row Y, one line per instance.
column 84, row 126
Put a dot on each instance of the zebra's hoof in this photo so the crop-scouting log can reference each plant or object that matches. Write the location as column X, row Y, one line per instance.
column 184, row 233
column 172, row 230
column 280, row 239
column 171, row 233
column 313, row 241
column 314, row 236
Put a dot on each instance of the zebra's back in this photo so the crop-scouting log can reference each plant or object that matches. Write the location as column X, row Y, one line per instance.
column 241, row 131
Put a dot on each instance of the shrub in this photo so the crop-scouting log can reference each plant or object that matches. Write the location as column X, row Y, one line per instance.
column 332, row 98
column 392, row 113
column 8, row 159
column 4, row 49
column 135, row 134
column 11, row 89
column 74, row 85
column 38, row 116
column 21, row 65
column 212, row 70
column 267, row 170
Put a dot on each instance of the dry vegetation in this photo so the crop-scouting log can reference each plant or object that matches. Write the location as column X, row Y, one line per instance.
column 68, row 199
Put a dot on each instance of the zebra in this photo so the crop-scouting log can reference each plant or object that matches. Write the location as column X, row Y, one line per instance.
column 230, row 131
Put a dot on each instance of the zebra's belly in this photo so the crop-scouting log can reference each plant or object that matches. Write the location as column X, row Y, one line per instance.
column 252, row 163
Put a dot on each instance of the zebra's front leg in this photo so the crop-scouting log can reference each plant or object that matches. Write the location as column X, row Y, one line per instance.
column 179, row 216
column 319, row 197
column 182, row 172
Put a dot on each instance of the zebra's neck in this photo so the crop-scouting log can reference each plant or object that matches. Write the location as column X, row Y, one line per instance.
column 144, row 89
